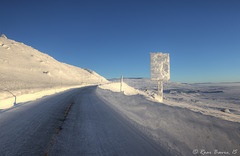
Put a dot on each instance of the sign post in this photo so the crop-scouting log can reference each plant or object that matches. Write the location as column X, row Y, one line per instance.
column 160, row 88
column 160, row 69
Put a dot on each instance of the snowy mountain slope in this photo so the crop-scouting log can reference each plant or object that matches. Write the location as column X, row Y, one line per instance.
column 24, row 69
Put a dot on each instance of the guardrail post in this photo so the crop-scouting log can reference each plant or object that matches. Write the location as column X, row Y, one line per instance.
column 15, row 97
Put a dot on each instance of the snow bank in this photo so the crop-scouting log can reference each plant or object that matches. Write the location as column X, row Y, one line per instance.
column 128, row 90
column 115, row 87
column 37, row 93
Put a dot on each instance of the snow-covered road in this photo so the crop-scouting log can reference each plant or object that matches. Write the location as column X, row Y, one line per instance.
column 91, row 128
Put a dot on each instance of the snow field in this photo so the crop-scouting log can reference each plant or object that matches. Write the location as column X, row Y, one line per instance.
column 180, row 130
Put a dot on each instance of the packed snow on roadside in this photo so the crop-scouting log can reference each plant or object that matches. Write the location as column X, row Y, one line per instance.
column 29, row 74
column 128, row 90
column 193, row 118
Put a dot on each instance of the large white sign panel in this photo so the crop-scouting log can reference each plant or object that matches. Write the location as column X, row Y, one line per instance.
column 160, row 67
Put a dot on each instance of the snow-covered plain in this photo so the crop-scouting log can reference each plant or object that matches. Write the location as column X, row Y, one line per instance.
column 193, row 118
column 29, row 74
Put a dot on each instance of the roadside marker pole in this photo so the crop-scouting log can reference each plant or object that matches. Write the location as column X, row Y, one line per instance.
column 121, row 84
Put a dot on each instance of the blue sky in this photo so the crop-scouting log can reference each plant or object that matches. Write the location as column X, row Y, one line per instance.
column 115, row 37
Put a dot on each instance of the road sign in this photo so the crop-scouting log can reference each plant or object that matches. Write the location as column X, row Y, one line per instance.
column 160, row 67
